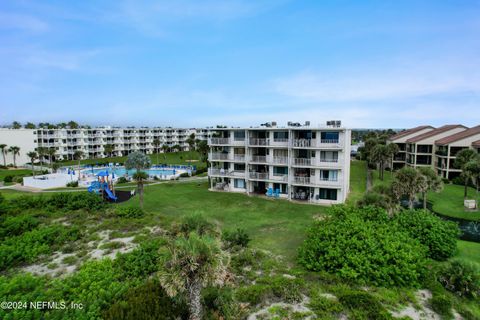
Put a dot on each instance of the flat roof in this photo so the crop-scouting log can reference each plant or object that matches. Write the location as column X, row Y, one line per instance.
column 283, row 128
column 458, row 136
column 434, row 132
column 409, row 131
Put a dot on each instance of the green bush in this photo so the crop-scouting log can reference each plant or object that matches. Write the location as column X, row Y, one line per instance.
column 122, row 180
column 72, row 184
column 325, row 308
column 8, row 178
column 277, row 287
column 220, row 303
column 15, row 225
column 362, row 305
column 442, row 305
column 149, row 302
column 360, row 244
column 253, row 294
column 129, row 212
column 17, row 179
column 198, row 224
column 62, row 200
column 236, row 238
column 29, row 245
column 461, row 278
column 438, row 235
column 141, row 262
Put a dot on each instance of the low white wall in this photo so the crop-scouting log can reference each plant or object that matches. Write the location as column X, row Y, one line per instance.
column 53, row 180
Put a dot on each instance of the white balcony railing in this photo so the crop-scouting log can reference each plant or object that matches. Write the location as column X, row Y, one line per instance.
column 220, row 156
column 239, row 157
column 279, row 177
column 258, row 175
column 226, row 173
column 261, row 159
column 302, row 161
column 219, row 141
column 302, row 180
column 280, row 160
column 259, row 142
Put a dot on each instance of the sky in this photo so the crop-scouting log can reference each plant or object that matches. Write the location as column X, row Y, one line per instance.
column 197, row 63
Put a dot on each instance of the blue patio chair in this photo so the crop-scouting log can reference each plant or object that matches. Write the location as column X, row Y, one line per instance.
column 269, row 192
column 277, row 193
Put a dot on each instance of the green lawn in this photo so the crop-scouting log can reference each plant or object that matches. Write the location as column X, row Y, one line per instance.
column 170, row 158
column 14, row 172
column 358, row 181
column 469, row 251
column 449, row 202
column 387, row 178
column 275, row 225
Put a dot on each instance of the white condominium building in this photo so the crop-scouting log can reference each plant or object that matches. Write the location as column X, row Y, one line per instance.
column 297, row 162
column 93, row 141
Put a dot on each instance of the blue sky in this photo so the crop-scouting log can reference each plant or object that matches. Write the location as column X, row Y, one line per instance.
column 234, row 62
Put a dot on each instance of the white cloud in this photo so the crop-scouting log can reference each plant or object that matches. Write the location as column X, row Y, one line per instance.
column 22, row 22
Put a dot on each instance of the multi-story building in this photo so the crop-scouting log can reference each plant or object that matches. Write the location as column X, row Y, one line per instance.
column 295, row 162
column 436, row 148
column 96, row 142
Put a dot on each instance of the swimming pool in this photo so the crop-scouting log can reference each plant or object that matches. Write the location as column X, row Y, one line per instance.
column 121, row 171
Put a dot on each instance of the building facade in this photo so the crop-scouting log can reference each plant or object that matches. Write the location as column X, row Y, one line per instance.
column 435, row 147
column 295, row 162
column 95, row 142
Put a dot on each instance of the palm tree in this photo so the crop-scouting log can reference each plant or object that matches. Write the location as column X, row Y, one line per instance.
column 78, row 154
column 139, row 161
column 189, row 265
column 15, row 151
column 379, row 155
column 176, row 148
column 462, row 158
column 156, row 145
column 473, row 168
column 165, row 149
column 393, row 149
column 3, row 148
column 408, row 182
column 108, row 149
column 202, row 148
column 434, row 183
column 51, row 154
column 32, row 155
column 42, row 152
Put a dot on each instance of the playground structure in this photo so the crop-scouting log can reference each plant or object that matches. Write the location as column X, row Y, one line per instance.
column 103, row 186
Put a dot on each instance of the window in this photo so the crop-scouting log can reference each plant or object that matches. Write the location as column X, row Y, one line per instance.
column 280, row 135
column 239, row 183
column 329, row 175
column 282, row 187
column 280, row 170
column 330, row 136
column 239, row 135
column 331, row 156
column 328, row 194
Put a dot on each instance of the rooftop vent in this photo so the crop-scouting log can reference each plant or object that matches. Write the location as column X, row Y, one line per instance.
column 334, row 123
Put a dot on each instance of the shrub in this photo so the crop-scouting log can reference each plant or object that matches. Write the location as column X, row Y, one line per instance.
column 325, row 308
column 363, row 305
column 16, row 225
column 442, row 305
column 17, row 179
column 253, row 294
column 438, row 235
column 148, row 301
column 197, row 223
column 122, row 180
column 360, row 244
column 236, row 238
column 140, row 263
column 220, row 303
column 72, row 184
column 461, row 278
column 184, row 175
column 277, row 287
column 129, row 212
column 76, row 201
column 8, row 178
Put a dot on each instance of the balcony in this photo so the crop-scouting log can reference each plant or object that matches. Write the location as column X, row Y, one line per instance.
column 259, row 142
column 218, row 141
column 279, row 177
column 302, row 161
column 314, row 143
column 302, row 180
column 327, row 162
column 258, row 175
column 258, row 159
column 219, row 156
column 238, row 141
column 239, row 157
column 226, row 173
column 280, row 160
column 280, row 142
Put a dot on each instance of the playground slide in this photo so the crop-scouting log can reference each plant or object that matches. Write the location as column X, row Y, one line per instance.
column 110, row 194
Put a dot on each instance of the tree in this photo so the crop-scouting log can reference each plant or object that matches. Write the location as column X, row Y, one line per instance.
column 393, row 149
column 138, row 161
column 473, row 169
column 165, row 149
column 379, row 155
column 176, row 148
column 3, row 148
column 29, row 125
column 462, row 158
column 16, row 125
column 202, row 148
column 156, row 145
column 42, row 152
column 191, row 144
column 408, row 182
column 434, row 183
column 78, row 155
column 108, row 149
column 72, row 125
column 381, row 196
column 51, row 154
column 32, row 155
column 190, row 264
column 15, row 152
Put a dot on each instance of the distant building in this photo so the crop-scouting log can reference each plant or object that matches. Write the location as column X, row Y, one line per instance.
column 93, row 141
column 434, row 147
column 297, row 162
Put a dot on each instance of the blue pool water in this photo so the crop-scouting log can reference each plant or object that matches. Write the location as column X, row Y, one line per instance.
column 121, row 171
